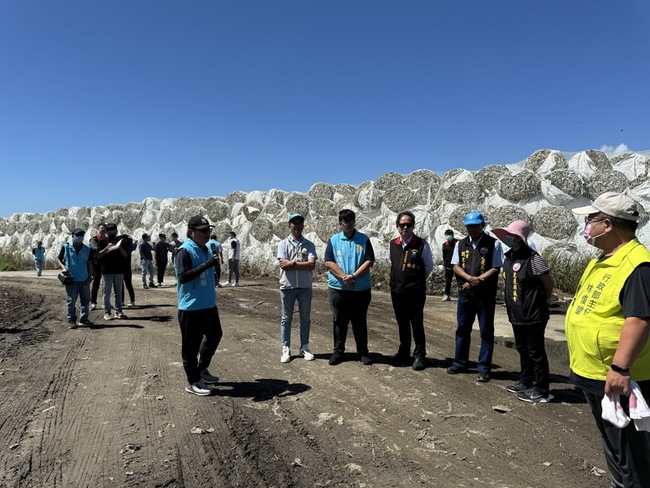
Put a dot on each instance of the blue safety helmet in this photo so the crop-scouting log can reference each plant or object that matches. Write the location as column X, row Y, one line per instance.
column 474, row 218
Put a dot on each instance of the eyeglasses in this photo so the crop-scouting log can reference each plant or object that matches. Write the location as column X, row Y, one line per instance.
column 405, row 225
column 593, row 220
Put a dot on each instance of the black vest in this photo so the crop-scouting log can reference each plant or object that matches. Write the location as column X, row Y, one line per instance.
column 407, row 266
column 525, row 295
column 477, row 261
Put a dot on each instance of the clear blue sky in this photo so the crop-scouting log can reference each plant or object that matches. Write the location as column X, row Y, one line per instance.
column 115, row 101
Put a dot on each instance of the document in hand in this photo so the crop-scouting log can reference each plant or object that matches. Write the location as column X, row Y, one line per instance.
column 116, row 246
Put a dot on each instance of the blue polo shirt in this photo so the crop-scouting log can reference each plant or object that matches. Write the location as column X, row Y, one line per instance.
column 349, row 255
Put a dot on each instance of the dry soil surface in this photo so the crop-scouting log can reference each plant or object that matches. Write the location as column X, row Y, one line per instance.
column 106, row 406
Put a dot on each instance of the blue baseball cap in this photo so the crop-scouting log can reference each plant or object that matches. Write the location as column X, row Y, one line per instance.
column 474, row 218
column 296, row 216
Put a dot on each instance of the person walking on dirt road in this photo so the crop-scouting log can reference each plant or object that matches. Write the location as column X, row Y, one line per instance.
column 234, row 255
column 477, row 259
column 198, row 316
column 607, row 327
column 348, row 258
column 76, row 259
column 112, row 254
column 528, row 286
column 296, row 258
column 411, row 262
column 39, row 257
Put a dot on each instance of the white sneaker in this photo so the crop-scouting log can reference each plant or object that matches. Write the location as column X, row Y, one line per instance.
column 208, row 378
column 286, row 354
column 93, row 306
column 227, row 284
column 306, row 353
column 199, row 388
column 108, row 316
column 446, row 298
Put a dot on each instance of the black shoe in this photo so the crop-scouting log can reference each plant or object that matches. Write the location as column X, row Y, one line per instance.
column 145, row 286
column 518, row 387
column 483, row 377
column 151, row 285
column 418, row 363
column 533, row 395
column 335, row 358
column 453, row 369
column 366, row 361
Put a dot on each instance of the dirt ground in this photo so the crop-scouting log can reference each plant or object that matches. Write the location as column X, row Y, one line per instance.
column 106, row 406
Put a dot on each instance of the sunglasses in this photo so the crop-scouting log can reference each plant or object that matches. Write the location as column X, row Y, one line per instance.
column 405, row 225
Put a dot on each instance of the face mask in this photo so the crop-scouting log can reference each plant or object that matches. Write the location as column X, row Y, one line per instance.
column 509, row 241
column 591, row 240
column 78, row 239
column 449, row 238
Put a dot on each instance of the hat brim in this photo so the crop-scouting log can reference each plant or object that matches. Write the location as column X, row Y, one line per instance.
column 202, row 227
column 501, row 234
column 585, row 210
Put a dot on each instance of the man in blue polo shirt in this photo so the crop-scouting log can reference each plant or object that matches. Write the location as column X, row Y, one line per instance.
column 76, row 259
column 348, row 259
column 39, row 257
column 198, row 316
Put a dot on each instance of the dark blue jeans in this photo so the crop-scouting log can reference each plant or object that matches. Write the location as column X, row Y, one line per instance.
column 470, row 307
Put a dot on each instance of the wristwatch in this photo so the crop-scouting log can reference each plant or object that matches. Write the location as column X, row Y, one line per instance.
column 620, row 370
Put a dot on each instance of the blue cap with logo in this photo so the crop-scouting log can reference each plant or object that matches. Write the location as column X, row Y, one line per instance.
column 296, row 216
column 474, row 218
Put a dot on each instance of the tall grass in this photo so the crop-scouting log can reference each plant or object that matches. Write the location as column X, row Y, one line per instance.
column 567, row 266
column 9, row 262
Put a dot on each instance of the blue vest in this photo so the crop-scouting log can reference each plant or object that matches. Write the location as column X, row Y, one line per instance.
column 199, row 293
column 349, row 255
column 77, row 263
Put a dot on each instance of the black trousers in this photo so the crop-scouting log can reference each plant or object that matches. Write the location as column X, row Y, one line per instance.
column 529, row 341
column 627, row 451
column 350, row 306
column 200, row 336
column 162, row 265
column 128, row 283
column 97, row 279
column 409, row 313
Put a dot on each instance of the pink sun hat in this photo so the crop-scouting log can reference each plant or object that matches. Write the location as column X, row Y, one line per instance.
column 518, row 228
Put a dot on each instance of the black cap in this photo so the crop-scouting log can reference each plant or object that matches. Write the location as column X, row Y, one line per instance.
column 449, row 232
column 198, row 222
column 144, row 236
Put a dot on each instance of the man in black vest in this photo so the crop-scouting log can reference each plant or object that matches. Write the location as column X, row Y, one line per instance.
column 411, row 263
column 477, row 259
column 448, row 247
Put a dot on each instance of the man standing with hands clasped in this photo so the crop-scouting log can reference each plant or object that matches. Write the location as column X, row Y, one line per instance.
column 411, row 262
column 477, row 259
column 198, row 316
column 297, row 258
column 348, row 258
column 607, row 326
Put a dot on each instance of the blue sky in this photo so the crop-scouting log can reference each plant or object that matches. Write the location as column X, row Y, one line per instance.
column 115, row 101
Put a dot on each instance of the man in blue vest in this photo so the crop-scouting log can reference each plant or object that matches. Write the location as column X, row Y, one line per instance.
column 607, row 327
column 76, row 259
column 39, row 257
column 477, row 259
column 198, row 316
column 411, row 263
column 348, row 258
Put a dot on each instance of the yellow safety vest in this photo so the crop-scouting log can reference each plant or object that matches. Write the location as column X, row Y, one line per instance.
column 595, row 317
